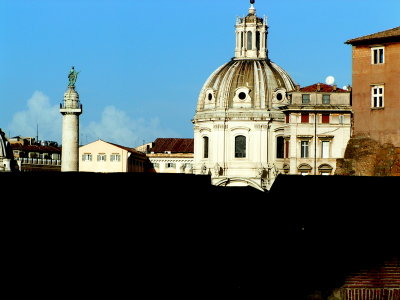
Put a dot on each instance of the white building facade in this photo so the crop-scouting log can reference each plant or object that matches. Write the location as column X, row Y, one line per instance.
column 237, row 118
column 240, row 124
column 5, row 153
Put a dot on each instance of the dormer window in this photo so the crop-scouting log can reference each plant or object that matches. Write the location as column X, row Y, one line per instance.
column 377, row 55
column 242, row 95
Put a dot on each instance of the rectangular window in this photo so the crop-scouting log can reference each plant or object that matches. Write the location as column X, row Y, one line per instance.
column 101, row 157
column 305, row 98
column 325, row 118
column 115, row 157
column 326, row 99
column 205, row 147
column 377, row 97
column 240, row 146
column 305, row 118
column 288, row 118
column 378, row 55
column 304, row 149
column 87, row 157
column 280, row 147
column 325, row 149
column 171, row 165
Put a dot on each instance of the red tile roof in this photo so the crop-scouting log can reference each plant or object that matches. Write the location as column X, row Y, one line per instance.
column 324, row 88
column 35, row 148
column 390, row 34
column 173, row 145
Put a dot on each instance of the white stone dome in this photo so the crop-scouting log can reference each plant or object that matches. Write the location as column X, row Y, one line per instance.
column 245, row 83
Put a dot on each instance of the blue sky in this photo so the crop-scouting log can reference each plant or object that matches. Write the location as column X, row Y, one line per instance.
column 142, row 63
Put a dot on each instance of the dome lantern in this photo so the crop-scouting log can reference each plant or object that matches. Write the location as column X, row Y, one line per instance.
column 251, row 36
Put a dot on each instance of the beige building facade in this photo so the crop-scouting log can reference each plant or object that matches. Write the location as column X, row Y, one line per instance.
column 318, row 128
column 104, row 157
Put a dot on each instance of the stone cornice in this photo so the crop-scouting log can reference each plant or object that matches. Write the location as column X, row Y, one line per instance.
column 317, row 108
column 238, row 116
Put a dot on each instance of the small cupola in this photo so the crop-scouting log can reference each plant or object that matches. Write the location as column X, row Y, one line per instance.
column 251, row 36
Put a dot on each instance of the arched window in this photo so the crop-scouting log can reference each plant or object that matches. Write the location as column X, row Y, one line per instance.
column 240, row 146
column 205, row 147
column 249, row 40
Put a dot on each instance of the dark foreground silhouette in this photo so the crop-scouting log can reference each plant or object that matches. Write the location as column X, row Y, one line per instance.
column 82, row 234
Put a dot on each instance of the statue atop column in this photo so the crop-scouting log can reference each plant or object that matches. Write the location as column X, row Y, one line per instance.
column 72, row 77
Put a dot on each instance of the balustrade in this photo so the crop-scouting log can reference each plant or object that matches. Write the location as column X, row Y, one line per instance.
column 39, row 161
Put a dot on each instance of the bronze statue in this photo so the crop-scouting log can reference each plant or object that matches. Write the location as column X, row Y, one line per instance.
column 72, row 77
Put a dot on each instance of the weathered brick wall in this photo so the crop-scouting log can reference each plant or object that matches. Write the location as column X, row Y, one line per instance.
column 379, row 283
column 367, row 157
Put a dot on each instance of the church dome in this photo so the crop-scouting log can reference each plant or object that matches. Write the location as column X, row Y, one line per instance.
column 250, row 80
column 245, row 83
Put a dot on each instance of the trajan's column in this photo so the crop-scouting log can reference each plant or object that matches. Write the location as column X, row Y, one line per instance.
column 70, row 109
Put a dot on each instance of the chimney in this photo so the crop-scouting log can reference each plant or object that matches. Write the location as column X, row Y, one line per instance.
column 297, row 87
column 318, row 87
column 334, row 87
column 349, row 88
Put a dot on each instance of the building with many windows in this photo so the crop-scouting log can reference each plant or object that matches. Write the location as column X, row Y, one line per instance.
column 318, row 126
column 31, row 155
column 376, row 80
column 104, row 157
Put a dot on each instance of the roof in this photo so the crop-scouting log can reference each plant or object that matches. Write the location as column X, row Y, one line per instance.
column 173, row 145
column 387, row 35
column 123, row 147
column 35, row 148
column 222, row 87
column 324, row 88
column 132, row 150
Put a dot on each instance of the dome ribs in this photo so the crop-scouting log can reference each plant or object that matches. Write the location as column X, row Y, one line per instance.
column 261, row 77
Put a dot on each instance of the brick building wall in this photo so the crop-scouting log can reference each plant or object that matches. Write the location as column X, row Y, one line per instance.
column 380, row 283
column 372, row 68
